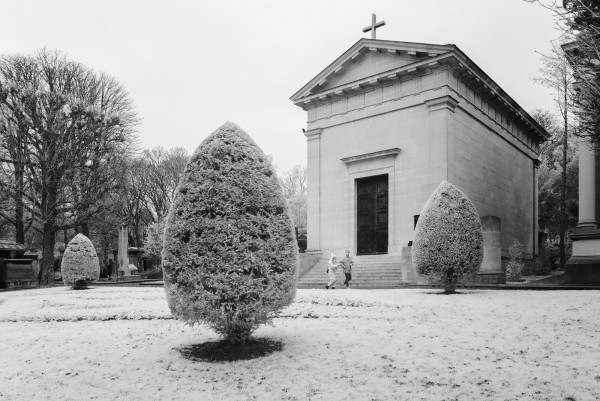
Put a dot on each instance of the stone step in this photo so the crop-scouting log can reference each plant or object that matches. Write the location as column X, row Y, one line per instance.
column 355, row 286
column 369, row 271
column 355, row 274
column 392, row 269
column 365, row 279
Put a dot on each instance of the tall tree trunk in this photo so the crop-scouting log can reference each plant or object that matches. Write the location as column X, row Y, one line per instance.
column 563, row 191
column 19, row 208
column 48, row 206
column 46, row 278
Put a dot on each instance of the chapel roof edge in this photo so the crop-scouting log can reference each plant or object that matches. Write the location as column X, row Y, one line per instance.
column 448, row 50
column 365, row 43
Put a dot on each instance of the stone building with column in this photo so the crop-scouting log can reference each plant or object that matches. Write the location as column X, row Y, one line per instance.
column 387, row 122
column 583, row 267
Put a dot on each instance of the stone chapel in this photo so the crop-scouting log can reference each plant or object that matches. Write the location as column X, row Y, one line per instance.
column 387, row 122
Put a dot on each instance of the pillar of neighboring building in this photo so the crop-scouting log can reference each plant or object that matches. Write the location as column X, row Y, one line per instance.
column 583, row 267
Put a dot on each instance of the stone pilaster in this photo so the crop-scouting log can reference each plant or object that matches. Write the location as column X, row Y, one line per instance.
column 583, row 267
column 313, row 202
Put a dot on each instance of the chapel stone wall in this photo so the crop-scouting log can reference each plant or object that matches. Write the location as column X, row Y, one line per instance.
column 445, row 129
column 497, row 178
column 413, row 173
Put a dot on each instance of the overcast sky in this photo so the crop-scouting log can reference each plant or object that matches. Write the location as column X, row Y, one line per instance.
column 190, row 66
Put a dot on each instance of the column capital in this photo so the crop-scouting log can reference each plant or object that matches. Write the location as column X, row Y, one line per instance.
column 313, row 134
column 441, row 103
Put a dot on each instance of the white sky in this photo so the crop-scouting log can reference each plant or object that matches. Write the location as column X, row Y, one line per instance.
column 192, row 65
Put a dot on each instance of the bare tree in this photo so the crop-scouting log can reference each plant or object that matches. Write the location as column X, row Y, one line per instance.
column 152, row 179
column 558, row 76
column 293, row 181
column 294, row 184
column 46, row 108
column 579, row 21
column 19, row 72
column 550, row 180
column 164, row 169
column 98, row 178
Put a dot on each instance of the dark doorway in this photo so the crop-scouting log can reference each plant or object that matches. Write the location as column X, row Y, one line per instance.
column 372, row 215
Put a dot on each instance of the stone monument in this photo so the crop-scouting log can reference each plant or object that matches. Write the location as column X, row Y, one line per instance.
column 123, row 251
column 491, row 271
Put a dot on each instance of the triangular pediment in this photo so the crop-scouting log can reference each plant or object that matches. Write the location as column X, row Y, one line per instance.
column 368, row 64
column 367, row 58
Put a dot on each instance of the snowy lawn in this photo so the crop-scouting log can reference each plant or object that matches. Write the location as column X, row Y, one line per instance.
column 121, row 343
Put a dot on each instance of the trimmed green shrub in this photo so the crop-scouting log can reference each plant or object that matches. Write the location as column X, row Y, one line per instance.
column 80, row 264
column 448, row 240
column 230, row 258
column 514, row 268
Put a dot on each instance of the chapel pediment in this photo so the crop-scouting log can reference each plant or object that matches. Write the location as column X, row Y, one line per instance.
column 367, row 64
column 369, row 58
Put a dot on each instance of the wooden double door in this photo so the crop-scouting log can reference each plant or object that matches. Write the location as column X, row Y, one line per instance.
column 372, row 215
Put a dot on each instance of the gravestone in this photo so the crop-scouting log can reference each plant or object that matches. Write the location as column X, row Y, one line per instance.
column 123, row 251
column 491, row 271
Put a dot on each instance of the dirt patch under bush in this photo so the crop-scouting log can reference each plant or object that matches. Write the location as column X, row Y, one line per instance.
column 225, row 351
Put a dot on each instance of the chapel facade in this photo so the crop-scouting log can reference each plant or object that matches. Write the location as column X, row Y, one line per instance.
column 387, row 121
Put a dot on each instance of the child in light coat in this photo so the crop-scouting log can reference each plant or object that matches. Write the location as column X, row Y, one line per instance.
column 332, row 266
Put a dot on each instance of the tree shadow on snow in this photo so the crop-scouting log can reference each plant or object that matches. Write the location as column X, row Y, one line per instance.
column 225, row 351
column 441, row 292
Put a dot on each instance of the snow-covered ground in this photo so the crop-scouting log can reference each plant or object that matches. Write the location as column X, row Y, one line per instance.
column 122, row 344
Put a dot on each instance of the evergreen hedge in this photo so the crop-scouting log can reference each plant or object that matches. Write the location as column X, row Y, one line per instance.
column 80, row 265
column 230, row 258
column 448, row 240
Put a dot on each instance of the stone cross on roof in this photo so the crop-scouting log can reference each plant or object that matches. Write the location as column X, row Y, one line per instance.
column 374, row 26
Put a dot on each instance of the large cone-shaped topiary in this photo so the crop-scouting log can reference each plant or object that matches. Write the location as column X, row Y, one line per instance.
column 448, row 238
column 80, row 264
column 230, row 257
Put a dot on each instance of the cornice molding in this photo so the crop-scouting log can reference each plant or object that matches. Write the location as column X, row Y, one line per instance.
column 441, row 103
column 393, row 152
column 369, row 82
column 313, row 134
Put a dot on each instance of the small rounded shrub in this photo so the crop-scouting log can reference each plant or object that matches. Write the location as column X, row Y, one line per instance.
column 448, row 241
column 80, row 264
column 230, row 258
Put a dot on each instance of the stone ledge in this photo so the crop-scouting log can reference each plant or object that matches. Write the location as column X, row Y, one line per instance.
column 581, row 233
column 441, row 103
column 373, row 155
